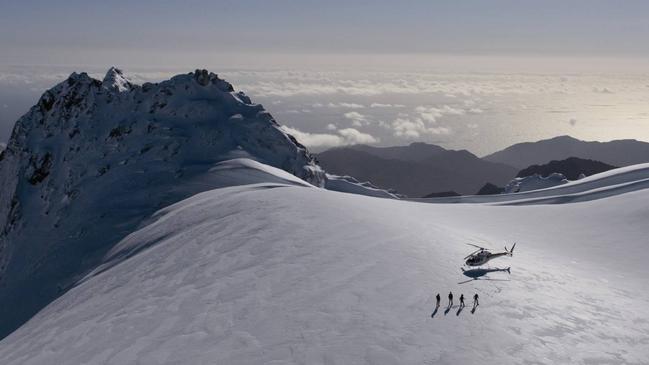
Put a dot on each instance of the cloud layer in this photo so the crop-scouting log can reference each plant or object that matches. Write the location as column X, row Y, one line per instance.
column 477, row 111
column 341, row 137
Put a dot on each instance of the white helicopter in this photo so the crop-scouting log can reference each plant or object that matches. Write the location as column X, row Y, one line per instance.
column 482, row 255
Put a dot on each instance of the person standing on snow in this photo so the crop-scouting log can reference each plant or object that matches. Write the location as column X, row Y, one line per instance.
column 438, row 300
column 475, row 300
column 450, row 299
column 461, row 300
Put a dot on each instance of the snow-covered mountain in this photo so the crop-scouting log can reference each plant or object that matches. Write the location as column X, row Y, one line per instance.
column 281, row 272
column 554, row 173
column 534, row 182
column 93, row 158
column 572, row 168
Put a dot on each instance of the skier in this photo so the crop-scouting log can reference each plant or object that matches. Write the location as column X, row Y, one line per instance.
column 450, row 299
column 461, row 300
column 475, row 300
column 438, row 300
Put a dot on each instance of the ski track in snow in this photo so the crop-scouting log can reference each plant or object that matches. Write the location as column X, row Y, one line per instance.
column 278, row 273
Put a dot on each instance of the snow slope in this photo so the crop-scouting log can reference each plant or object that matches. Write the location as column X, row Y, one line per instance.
column 348, row 184
column 598, row 186
column 279, row 272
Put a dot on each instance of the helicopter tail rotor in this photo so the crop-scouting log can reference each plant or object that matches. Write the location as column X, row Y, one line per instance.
column 511, row 250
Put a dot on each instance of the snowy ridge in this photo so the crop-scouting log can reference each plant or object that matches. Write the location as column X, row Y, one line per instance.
column 230, row 173
column 279, row 273
column 534, row 182
column 255, row 172
column 598, row 186
column 348, row 184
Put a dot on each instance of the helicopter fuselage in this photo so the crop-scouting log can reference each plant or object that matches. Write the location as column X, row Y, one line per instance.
column 483, row 257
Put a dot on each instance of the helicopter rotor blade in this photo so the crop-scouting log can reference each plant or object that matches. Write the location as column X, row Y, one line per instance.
column 472, row 253
column 480, row 247
column 471, row 244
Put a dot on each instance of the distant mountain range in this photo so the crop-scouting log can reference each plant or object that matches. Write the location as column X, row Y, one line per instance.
column 571, row 168
column 422, row 169
column 618, row 153
column 416, row 170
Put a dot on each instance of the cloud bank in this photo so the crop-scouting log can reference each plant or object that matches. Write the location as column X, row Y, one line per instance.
column 341, row 137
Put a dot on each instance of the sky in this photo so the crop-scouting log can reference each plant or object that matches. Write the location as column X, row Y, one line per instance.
column 478, row 75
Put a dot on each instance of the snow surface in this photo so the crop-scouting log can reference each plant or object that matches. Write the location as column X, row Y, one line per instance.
column 279, row 272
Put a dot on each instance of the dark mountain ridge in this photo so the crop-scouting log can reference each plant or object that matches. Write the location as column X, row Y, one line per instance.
column 571, row 168
column 417, row 169
column 623, row 152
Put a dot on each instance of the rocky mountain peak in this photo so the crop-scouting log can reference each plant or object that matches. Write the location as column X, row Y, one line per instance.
column 116, row 80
